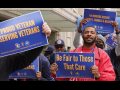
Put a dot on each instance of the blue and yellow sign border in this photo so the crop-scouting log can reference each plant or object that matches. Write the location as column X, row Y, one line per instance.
column 72, row 71
column 28, row 72
column 15, row 38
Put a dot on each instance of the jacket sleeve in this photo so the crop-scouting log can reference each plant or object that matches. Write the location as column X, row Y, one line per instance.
column 76, row 41
column 117, row 48
column 21, row 60
column 46, row 74
column 111, row 53
column 52, row 59
column 105, row 68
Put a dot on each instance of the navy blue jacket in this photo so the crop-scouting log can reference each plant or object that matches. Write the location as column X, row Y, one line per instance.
column 45, row 71
column 112, row 54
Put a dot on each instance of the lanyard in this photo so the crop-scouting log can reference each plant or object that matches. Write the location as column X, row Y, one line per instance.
column 90, row 51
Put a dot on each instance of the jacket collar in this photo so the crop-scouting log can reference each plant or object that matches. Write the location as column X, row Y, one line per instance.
column 95, row 51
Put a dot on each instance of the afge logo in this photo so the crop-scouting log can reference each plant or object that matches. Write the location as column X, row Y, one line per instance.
column 25, row 73
column 59, row 42
column 27, row 43
column 101, row 27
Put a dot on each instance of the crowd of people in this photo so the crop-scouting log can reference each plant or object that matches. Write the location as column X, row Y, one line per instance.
column 106, row 66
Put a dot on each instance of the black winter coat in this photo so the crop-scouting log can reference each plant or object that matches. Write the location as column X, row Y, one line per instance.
column 12, row 63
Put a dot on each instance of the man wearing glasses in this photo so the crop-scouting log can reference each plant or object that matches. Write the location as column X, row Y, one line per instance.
column 59, row 47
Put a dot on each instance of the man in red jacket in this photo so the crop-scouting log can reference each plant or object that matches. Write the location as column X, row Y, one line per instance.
column 103, row 69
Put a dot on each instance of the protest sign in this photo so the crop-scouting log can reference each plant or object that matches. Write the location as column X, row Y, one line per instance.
column 99, row 19
column 28, row 72
column 74, row 65
column 112, row 40
column 22, row 33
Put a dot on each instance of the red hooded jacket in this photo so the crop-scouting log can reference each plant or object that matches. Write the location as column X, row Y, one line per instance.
column 104, row 65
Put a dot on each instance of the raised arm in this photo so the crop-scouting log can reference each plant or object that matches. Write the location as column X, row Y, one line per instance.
column 76, row 41
column 117, row 48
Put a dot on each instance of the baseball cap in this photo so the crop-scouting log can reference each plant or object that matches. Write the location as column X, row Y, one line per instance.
column 59, row 42
column 49, row 48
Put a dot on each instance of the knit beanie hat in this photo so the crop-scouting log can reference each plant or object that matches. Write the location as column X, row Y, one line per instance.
column 102, row 38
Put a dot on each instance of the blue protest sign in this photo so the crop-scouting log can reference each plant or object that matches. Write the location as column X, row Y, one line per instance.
column 74, row 65
column 117, row 19
column 99, row 19
column 112, row 40
column 28, row 72
column 22, row 33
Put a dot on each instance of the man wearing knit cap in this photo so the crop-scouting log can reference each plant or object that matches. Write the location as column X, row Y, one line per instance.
column 101, row 41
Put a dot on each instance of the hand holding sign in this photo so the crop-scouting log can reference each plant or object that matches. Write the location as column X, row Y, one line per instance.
column 115, row 24
column 106, row 36
column 83, row 21
column 38, row 75
column 54, row 68
column 94, row 70
column 46, row 29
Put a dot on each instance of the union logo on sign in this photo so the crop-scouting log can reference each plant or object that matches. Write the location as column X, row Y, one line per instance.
column 27, row 43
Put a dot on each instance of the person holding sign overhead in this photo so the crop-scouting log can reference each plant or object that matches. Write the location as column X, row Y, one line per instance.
column 101, row 41
column 12, row 63
column 103, row 69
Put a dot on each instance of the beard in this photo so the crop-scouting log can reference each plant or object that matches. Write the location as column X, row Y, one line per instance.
column 89, row 42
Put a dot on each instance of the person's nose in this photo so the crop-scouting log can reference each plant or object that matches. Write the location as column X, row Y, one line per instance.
column 59, row 48
column 89, row 33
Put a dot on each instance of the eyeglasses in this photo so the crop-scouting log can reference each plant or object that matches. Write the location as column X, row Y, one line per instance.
column 58, row 47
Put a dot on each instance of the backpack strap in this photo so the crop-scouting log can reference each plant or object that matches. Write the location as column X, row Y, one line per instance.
column 99, row 56
column 40, row 63
column 74, row 50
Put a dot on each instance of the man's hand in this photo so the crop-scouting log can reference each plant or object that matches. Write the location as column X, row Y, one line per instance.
column 38, row 75
column 106, row 36
column 15, row 79
column 83, row 21
column 54, row 68
column 115, row 24
column 46, row 29
column 94, row 70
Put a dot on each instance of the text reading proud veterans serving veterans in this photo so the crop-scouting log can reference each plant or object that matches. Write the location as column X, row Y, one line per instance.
column 13, row 35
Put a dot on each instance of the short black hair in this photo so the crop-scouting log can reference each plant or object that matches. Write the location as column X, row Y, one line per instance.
column 89, row 26
column 68, row 47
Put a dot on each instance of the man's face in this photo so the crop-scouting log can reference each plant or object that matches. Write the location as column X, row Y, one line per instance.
column 59, row 48
column 89, row 35
column 99, row 41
